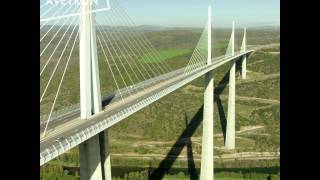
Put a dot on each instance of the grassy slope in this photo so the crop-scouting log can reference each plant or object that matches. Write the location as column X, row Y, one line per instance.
column 164, row 55
column 165, row 119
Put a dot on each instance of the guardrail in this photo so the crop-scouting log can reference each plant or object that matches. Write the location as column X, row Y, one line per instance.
column 116, row 96
column 107, row 121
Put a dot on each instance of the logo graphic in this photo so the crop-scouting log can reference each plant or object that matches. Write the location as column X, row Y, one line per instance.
column 69, row 2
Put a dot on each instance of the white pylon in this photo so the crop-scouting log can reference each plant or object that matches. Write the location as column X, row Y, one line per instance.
column 232, row 44
column 96, row 94
column 206, row 171
column 244, row 58
column 85, row 60
column 90, row 97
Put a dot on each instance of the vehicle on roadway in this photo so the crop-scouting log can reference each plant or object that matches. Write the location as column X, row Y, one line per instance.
column 59, row 139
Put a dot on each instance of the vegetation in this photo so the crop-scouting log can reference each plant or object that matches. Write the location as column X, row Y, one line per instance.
column 164, row 55
column 172, row 125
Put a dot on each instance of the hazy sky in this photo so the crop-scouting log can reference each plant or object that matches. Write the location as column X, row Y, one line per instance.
column 194, row 12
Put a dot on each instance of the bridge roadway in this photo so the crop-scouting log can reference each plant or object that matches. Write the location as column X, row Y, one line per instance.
column 71, row 131
column 62, row 116
column 71, row 112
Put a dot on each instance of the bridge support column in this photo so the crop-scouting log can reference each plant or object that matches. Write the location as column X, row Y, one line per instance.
column 207, row 134
column 206, row 171
column 94, row 156
column 230, row 131
column 105, row 155
column 90, row 162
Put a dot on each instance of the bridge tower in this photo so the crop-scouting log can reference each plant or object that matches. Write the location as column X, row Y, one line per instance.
column 230, row 131
column 206, row 171
column 244, row 58
column 94, row 156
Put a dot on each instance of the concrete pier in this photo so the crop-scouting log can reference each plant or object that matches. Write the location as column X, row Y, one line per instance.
column 230, row 131
column 206, row 171
column 105, row 155
column 95, row 158
column 207, row 134
column 90, row 162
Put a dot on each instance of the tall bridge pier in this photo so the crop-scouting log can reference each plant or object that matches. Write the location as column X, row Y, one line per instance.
column 94, row 155
column 207, row 134
column 230, row 131
column 231, row 128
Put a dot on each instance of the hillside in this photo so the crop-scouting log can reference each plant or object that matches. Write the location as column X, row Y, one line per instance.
column 164, row 139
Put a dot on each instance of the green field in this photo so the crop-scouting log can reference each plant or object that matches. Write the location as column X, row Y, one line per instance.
column 164, row 55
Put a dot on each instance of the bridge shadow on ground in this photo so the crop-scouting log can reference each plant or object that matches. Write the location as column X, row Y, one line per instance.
column 183, row 140
column 222, row 113
column 217, row 92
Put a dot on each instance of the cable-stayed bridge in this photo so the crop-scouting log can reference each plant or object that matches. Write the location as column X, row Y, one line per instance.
column 91, row 35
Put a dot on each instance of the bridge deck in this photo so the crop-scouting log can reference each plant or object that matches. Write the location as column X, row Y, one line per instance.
column 71, row 130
